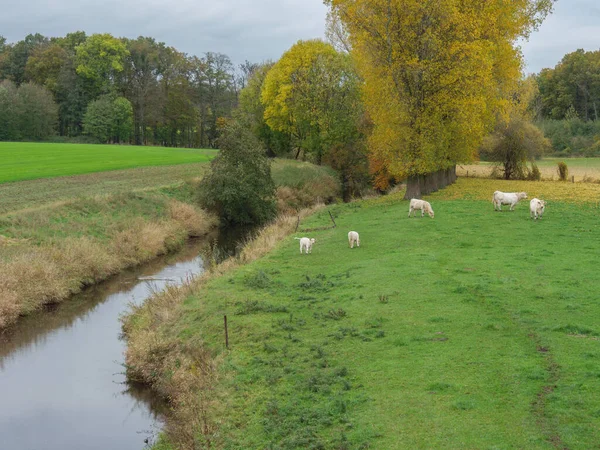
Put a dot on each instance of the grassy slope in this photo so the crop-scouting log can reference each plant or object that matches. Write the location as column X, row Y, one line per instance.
column 28, row 161
column 473, row 330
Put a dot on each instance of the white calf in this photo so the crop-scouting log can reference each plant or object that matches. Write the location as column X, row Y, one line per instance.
column 353, row 239
column 536, row 208
column 507, row 198
column 424, row 206
column 306, row 244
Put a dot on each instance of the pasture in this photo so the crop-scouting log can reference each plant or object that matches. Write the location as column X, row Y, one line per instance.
column 583, row 169
column 476, row 329
column 29, row 161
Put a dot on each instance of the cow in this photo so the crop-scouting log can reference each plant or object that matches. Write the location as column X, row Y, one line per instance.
column 424, row 206
column 353, row 238
column 306, row 244
column 507, row 198
column 536, row 208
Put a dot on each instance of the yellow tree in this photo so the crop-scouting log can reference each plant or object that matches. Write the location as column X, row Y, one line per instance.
column 436, row 73
column 311, row 94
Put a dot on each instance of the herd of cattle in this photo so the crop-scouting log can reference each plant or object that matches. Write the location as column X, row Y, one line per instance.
column 536, row 211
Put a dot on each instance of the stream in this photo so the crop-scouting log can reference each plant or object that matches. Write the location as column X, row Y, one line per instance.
column 62, row 380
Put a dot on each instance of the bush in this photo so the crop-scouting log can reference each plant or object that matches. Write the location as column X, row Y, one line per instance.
column 239, row 187
column 563, row 171
column 534, row 174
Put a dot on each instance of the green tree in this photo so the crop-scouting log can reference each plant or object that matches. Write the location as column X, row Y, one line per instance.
column 252, row 111
column 9, row 112
column 109, row 119
column 99, row 59
column 38, row 112
column 307, row 92
column 239, row 187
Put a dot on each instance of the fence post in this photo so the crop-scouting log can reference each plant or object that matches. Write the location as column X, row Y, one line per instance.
column 226, row 333
column 297, row 224
column 467, row 174
column 330, row 215
column 573, row 178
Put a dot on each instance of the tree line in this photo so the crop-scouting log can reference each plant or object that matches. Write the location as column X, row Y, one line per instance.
column 113, row 90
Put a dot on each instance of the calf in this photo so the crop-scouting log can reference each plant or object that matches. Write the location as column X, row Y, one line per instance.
column 507, row 198
column 536, row 208
column 306, row 244
column 353, row 238
column 424, row 206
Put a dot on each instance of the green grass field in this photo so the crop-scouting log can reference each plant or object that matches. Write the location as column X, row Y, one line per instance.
column 476, row 329
column 29, row 161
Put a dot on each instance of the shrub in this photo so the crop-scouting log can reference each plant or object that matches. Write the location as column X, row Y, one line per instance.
column 563, row 171
column 239, row 187
column 534, row 174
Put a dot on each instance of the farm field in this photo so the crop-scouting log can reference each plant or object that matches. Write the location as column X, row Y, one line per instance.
column 476, row 329
column 578, row 167
column 29, row 161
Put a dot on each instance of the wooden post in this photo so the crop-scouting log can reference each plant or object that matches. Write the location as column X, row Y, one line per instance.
column 226, row 333
column 573, row 178
column 467, row 174
column 330, row 215
column 297, row 224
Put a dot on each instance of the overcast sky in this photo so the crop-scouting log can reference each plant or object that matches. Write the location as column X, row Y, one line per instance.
column 255, row 30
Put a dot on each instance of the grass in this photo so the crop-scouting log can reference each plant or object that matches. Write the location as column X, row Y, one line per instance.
column 61, row 234
column 28, row 161
column 476, row 329
column 583, row 169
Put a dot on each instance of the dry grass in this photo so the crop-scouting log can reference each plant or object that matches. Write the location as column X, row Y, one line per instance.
column 586, row 170
column 34, row 275
column 187, row 374
column 482, row 189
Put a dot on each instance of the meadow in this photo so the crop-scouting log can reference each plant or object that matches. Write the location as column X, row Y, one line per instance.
column 29, row 161
column 583, row 169
column 476, row 329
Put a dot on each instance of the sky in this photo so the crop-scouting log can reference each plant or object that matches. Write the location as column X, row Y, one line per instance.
column 255, row 30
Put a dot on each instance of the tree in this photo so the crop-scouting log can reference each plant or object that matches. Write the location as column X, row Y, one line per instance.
column 99, row 59
column 512, row 145
column 434, row 74
column 307, row 92
column 109, row 119
column 16, row 56
column 252, row 112
column 45, row 65
column 39, row 112
column 239, row 187
column 9, row 112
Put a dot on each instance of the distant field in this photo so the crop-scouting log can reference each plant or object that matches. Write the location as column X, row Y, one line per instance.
column 587, row 169
column 29, row 161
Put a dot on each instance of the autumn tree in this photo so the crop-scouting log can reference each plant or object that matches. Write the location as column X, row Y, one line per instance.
column 251, row 111
column 306, row 91
column 435, row 72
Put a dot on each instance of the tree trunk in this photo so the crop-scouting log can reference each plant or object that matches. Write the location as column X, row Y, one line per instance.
column 419, row 185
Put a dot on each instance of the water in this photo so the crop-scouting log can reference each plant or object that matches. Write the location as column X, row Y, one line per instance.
column 62, row 382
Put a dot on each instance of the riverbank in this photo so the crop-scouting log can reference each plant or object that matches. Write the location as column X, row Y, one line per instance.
column 53, row 243
column 469, row 330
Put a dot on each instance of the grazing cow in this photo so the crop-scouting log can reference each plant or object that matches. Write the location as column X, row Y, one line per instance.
column 353, row 239
column 507, row 198
column 306, row 244
column 536, row 208
column 424, row 206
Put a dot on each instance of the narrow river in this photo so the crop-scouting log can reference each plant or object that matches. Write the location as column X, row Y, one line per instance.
column 62, row 382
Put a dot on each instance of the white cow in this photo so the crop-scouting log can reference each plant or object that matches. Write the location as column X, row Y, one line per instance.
column 306, row 244
column 536, row 208
column 424, row 206
column 353, row 239
column 507, row 198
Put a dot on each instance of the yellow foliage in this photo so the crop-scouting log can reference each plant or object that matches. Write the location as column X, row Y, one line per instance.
column 436, row 73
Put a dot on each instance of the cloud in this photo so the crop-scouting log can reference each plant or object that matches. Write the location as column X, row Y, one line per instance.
column 243, row 29
column 255, row 29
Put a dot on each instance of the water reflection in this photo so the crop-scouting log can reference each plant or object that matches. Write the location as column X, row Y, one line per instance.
column 62, row 384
